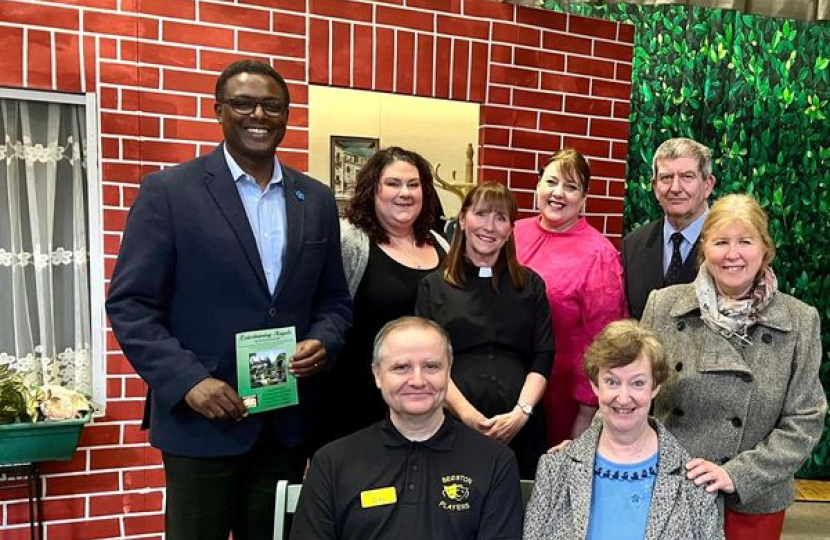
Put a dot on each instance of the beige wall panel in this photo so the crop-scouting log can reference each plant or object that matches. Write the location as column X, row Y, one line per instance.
column 437, row 129
column 338, row 111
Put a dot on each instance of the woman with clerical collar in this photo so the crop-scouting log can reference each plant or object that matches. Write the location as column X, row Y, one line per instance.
column 498, row 319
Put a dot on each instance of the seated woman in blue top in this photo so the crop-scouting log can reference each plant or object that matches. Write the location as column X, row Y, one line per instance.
column 625, row 477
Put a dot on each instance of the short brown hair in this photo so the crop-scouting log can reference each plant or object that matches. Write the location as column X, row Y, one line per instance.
column 361, row 209
column 621, row 343
column 572, row 165
column 492, row 196
column 743, row 209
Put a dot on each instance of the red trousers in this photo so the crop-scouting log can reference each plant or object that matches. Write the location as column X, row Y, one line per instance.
column 739, row 526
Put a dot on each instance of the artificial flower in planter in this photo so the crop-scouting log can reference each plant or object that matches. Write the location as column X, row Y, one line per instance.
column 21, row 402
column 38, row 424
column 59, row 403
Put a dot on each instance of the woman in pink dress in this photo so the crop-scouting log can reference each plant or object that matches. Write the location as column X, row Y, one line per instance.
column 584, row 282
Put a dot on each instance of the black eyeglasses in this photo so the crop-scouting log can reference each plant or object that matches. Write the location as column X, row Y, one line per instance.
column 244, row 105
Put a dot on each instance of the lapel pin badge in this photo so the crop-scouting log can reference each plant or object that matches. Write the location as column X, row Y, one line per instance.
column 300, row 195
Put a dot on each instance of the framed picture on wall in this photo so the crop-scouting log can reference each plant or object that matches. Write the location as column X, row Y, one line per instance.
column 348, row 155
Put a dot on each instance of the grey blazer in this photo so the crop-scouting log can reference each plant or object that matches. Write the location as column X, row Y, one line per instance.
column 756, row 409
column 560, row 505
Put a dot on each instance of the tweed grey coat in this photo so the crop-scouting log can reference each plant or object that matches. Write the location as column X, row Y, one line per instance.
column 560, row 505
column 756, row 409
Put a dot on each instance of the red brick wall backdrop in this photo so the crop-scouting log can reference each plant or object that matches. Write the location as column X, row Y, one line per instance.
column 543, row 80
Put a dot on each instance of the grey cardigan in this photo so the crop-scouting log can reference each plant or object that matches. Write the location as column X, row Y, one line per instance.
column 354, row 245
column 560, row 505
column 756, row 409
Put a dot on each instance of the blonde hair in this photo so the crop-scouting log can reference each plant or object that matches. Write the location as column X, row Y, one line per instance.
column 681, row 147
column 621, row 343
column 743, row 209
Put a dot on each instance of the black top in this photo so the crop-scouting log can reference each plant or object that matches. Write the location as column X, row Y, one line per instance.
column 457, row 485
column 386, row 292
column 497, row 337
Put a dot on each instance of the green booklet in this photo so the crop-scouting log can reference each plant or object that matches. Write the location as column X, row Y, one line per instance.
column 262, row 358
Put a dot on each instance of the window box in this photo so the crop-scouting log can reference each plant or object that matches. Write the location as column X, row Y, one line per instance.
column 41, row 441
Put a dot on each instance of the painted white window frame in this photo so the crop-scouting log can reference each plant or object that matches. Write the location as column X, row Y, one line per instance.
column 97, row 315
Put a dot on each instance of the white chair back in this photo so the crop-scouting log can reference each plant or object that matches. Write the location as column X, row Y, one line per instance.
column 285, row 503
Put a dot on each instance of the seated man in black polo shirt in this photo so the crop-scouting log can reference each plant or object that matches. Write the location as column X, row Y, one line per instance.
column 419, row 474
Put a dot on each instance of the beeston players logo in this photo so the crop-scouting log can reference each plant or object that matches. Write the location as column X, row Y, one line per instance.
column 455, row 492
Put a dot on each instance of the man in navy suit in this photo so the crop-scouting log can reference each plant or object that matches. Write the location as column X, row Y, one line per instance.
column 229, row 242
column 664, row 252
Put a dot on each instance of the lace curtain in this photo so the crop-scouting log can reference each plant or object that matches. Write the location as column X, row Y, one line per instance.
column 44, row 270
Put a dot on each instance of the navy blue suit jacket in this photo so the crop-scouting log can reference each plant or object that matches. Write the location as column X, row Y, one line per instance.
column 189, row 277
column 642, row 257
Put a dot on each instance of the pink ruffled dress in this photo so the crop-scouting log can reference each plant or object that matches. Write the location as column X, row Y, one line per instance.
column 584, row 283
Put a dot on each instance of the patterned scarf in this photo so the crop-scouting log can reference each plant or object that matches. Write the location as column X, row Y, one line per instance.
column 730, row 317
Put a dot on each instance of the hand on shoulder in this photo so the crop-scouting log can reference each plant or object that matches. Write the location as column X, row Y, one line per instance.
column 561, row 446
column 714, row 477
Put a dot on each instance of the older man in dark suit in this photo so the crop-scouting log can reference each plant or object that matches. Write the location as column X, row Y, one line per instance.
column 229, row 242
column 664, row 252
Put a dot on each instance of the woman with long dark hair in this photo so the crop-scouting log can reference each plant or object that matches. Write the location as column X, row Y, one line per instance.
column 388, row 246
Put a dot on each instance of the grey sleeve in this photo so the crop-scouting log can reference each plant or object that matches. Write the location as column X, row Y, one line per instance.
column 776, row 458
column 540, row 507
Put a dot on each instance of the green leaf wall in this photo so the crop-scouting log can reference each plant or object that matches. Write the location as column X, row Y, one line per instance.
column 755, row 90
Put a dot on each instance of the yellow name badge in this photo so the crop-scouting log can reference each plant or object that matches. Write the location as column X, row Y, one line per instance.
column 378, row 497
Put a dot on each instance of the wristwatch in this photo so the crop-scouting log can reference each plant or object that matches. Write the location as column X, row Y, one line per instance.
column 525, row 408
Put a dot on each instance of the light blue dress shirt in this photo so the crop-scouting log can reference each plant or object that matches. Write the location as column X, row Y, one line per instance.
column 266, row 214
column 690, row 236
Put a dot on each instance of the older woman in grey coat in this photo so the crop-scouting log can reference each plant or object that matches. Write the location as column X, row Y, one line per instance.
column 746, row 400
column 624, row 478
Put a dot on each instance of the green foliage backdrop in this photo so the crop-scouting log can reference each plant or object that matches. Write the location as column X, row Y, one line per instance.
column 755, row 90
